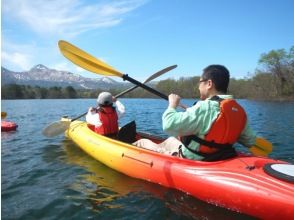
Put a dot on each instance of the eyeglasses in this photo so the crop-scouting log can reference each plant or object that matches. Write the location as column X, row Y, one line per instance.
column 203, row 80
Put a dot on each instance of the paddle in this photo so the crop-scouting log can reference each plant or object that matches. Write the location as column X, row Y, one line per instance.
column 3, row 115
column 261, row 147
column 92, row 64
column 59, row 127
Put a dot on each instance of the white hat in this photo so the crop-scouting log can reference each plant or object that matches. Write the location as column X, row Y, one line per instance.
column 104, row 98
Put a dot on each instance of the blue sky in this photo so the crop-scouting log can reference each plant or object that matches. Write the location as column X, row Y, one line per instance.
column 140, row 37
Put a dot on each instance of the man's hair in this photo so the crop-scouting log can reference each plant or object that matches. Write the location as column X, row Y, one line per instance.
column 219, row 75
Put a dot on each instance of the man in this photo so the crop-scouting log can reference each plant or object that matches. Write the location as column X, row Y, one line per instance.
column 209, row 129
column 104, row 119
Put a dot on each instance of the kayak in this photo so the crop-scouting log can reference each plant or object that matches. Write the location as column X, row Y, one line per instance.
column 8, row 126
column 257, row 186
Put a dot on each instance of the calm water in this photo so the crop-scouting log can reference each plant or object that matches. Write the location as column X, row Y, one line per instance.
column 46, row 178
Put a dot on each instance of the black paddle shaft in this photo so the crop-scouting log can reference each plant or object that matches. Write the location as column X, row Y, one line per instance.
column 149, row 89
column 76, row 118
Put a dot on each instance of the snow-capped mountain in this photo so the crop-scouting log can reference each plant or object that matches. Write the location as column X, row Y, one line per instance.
column 43, row 76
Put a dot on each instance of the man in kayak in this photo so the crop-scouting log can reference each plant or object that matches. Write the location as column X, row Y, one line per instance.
column 209, row 129
column 104, row 119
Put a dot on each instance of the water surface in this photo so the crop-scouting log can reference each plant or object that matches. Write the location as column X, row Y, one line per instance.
column 51, row 178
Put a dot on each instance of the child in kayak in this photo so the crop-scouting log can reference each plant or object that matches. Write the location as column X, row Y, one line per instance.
column 104, row 119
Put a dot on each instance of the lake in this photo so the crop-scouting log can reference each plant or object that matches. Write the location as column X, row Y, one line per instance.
column 51, row 178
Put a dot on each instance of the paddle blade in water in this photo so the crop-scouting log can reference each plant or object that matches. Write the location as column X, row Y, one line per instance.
column 85, row 60
column 261, row 147
column 56, row 128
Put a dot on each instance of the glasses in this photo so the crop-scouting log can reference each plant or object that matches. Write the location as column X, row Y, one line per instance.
column 203, row 80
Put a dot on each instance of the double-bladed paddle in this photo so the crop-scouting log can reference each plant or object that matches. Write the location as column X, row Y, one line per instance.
column 59, row 127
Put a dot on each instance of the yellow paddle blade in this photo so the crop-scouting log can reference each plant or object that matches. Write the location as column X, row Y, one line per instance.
column 261, row 147
column 3, row 115
column 258, row 152
column 85, row 60
column 56, row 128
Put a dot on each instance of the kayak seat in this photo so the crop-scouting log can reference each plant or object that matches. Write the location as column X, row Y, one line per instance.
column 127, row 133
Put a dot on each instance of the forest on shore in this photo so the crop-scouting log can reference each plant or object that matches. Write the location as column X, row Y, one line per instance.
column 272, row 80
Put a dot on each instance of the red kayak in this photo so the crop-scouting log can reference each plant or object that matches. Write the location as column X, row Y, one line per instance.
column 258, row 186
column 8, row 126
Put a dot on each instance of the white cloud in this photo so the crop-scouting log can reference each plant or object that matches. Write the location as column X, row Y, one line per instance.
column 17, row 59
column 69, row 17
column 18, row 56
column 54, row 19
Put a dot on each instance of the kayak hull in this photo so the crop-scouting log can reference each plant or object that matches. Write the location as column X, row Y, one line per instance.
column 239, row 184
column 8, row 126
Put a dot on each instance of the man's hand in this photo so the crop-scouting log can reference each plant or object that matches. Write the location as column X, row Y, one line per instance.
column 173, row 100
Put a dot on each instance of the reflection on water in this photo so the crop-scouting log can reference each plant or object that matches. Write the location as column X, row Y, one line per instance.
column 51, row 178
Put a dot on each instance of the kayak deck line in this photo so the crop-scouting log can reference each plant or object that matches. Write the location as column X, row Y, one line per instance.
column 228, row 183
column 133, row 158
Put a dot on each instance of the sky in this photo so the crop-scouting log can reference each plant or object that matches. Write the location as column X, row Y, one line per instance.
column 140, row 37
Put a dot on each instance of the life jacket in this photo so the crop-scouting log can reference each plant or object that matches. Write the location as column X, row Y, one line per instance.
column 109, row 119
column 224, row 132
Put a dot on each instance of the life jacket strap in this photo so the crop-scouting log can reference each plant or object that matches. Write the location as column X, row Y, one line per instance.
column 222, row 154
column 187, row 140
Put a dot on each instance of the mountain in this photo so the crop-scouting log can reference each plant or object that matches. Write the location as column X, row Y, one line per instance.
column 43, row 76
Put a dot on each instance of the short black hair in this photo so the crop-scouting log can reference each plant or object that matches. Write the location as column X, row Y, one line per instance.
column 219, row 75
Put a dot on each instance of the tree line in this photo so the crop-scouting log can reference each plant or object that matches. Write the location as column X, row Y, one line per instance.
column 14, row 91
column 272, row 80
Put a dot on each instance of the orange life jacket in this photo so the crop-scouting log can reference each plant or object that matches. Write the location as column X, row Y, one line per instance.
column 228, row 126
column 109, row 119
column 224, row 131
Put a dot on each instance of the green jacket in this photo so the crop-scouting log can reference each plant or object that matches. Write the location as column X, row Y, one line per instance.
column 198, row 120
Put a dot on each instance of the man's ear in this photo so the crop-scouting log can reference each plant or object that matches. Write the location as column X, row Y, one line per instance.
column 209, row 83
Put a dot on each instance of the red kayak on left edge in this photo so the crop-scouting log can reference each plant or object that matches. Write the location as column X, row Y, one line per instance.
column 8, row 126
